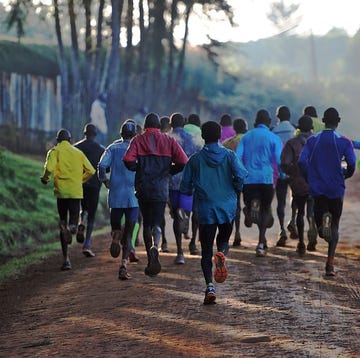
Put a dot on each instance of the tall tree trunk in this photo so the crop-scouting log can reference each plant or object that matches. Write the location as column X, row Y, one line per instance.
column 180, row 69
column 128, row 54
column 63, row 67
column 96, row 73
column 158, row 33
column 170, row 72
column 75, row 71
column 114, row 109
column 87, row 60
column 143, row 60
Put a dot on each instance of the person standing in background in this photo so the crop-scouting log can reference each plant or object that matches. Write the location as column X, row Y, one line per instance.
column 91, row 189
column 98, row 117
column 70, row 169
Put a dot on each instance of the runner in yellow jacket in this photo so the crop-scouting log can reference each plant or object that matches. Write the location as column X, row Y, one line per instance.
column 70, row 168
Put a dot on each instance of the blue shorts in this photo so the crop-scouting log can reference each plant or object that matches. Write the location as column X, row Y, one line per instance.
column 179, row 200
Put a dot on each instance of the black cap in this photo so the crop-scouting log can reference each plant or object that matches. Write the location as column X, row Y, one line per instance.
column 211, row 131
column 152, row 120
column 128, row 128
column 63, row 134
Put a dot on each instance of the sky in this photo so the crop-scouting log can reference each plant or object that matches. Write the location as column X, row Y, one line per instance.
column 317, row 16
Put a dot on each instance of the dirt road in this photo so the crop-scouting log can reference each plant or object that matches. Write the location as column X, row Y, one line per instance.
column 280, row 305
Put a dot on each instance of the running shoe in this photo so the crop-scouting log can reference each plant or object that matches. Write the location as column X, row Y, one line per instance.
column 164, row 247
column 180, row 259
column 115, row 243
column 311, row 246
column 247, row 217
column 261, row 251
column 326, row 226
column 123, row 274
column 301, row 249
column 87, row 252
column 237, row 240
column 210, row 295
column 271, row 220
column 312, row 235
column 220, row 273
column 282, row 239
column 192, row 248
column 255, row 210
column 80, row 234
column 65, row 233
column 330, row 271
column 184, row 220
column 154, row 266
column 133, row 257
column 292, row 230
column 66, row 266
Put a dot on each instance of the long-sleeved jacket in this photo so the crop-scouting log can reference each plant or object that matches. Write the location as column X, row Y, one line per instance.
column 71, row 169
column 216, row 175
column 289, row 163
column 259, row 150
column 189, row 147
column 121, row 190
column 154, row 156
column 93, row 152
column 321, row 163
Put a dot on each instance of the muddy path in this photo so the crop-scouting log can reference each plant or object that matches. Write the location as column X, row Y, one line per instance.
column 280, row 305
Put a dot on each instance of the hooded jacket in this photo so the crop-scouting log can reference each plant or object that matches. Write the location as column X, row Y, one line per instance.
column 216, row 176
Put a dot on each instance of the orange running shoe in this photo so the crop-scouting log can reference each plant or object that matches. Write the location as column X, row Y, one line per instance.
column 220, row 273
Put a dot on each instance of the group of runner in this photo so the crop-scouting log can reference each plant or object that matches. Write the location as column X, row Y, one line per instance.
column 200, row 171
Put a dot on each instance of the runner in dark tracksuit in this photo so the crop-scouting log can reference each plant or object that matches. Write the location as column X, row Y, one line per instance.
column 154, row 156
column 91, row 189
column 299, row 186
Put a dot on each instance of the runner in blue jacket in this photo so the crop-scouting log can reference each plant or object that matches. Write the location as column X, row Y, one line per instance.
column 327, row 159
column 215, row 176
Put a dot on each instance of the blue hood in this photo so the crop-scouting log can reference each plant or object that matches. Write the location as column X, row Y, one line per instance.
column 213, row 154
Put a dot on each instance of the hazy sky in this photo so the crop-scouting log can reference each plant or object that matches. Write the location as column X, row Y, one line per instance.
column 318, row 16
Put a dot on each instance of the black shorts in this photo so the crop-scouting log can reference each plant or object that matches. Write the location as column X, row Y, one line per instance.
column 263, row 192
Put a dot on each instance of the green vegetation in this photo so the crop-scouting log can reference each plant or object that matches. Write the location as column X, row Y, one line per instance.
column 27, row 209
